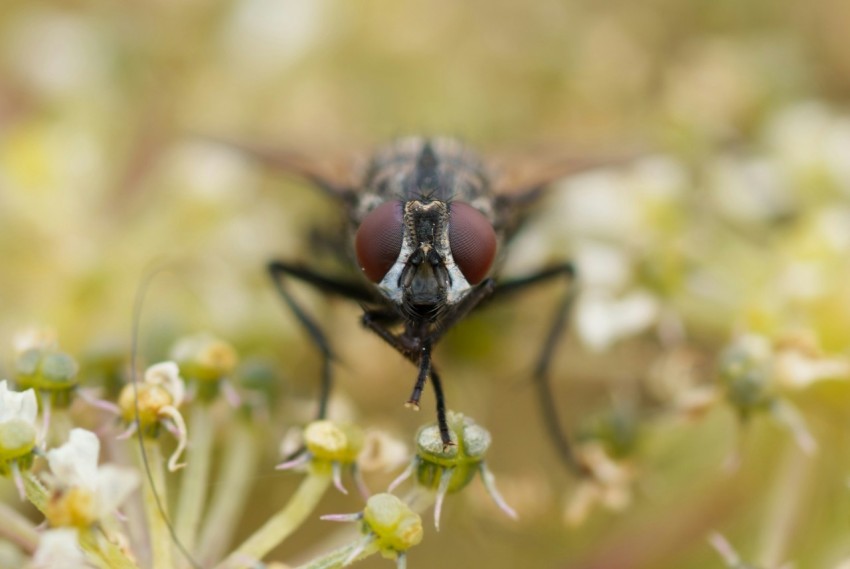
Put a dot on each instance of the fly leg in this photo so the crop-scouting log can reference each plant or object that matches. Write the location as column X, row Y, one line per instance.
column 542, row 381
column 417, row 352
column 420, row 356
column 424, row 372
column 442, row 422
column 279, row 272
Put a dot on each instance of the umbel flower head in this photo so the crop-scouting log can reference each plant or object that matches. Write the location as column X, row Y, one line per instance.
column 84, row 493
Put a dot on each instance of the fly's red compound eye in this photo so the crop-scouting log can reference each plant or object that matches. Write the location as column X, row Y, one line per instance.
column 472, row 240
column 378, row 240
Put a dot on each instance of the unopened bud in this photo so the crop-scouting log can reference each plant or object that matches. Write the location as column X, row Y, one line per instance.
column 462, row 458
column 331, row 442
column 204, row 358
column 17, row 439
column 46, row 370
column 396, row 527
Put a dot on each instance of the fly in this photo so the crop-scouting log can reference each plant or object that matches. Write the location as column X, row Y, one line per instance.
column 428, row 222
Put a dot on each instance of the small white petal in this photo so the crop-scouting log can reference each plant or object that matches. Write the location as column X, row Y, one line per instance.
column 490, row 484
column 59, row 548
column 336, row 470
column 798, row 371
column 114, row 484
column 167, row 375
column 182, row 436
column 442, row 490
column 17, row 405
column 75, row 462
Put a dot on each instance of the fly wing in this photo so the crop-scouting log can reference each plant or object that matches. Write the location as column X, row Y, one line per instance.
column 519, row 182
column 339, row 176
column 522, row 179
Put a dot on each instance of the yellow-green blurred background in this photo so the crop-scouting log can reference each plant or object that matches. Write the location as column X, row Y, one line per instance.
column 102, row 178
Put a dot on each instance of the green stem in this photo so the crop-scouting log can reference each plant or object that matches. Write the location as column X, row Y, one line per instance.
column 60, row 426
column 335, row 559
column 108, row 554
column 193, row 484
column 36, row 492
column 279, row 526
column 788, row 494
column 238, row 464
column 160, row 533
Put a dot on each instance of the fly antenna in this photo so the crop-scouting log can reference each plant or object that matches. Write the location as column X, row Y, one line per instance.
column 138, row 303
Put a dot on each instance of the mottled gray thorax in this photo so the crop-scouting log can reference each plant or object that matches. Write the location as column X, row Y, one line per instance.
column 425, row 169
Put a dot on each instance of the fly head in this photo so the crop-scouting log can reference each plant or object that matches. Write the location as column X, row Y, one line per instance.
column 419, row 239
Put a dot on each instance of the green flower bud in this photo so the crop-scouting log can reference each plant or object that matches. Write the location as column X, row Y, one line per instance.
column 616, row 430
column 745, row 369
column 462, row 458
column 46, row 370
column 260, row 381
column 17, row 439
column 204, row 358
column 330, row 442
column 395, row 526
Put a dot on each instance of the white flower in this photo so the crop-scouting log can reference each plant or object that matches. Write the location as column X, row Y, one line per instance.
column 17, row 406
column 59, row 548
column 598, row 204
column 602, row 320
column 75, row 462
column 75, row 472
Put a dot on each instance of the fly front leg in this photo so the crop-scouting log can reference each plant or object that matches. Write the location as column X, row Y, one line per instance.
column 278, row 271
column 379, row 321
column 442, row 422
column 424, row 372
column 418, row 352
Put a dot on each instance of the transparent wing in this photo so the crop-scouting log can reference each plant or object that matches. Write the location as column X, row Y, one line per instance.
column 338, row 175
column 522, row 178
